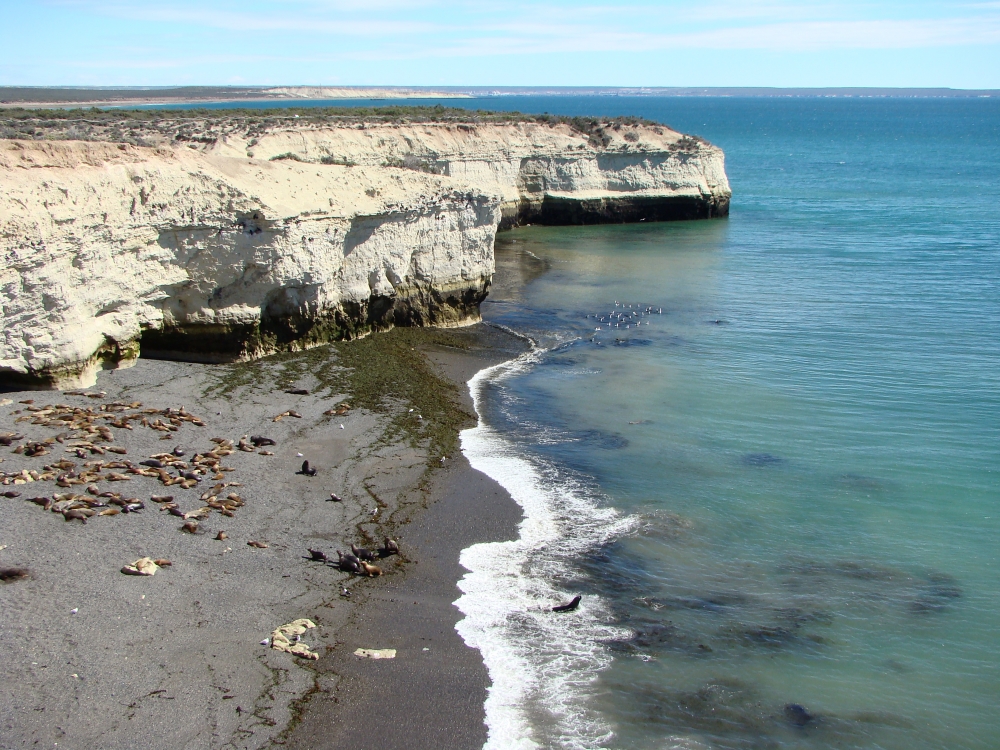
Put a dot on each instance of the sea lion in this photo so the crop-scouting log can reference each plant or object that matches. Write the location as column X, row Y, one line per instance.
column 348, row 563
column 10, row 494
column 258, row 545
column 390, row 547
column 318, row 555
column 260, row 440
column 221, row 536
column 363, row 554
column 191, row 527
column 569, row 607
column 335, row 497
column 371, row 570
column 9, row 575
column 307, row 470
column 297, row 391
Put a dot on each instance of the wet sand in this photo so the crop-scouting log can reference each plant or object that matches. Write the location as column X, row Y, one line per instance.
column 95, row 658
column 432, row 694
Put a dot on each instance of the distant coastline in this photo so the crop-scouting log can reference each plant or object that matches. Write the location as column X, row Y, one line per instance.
column 68, row 96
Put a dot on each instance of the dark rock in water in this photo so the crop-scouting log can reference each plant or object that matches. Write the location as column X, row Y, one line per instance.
column 797, row 715
column 761, row 459
column 632, row 342
column 725, row 708
column 599, row 439
column 936, row 594
column 859, row 483
column 943, row 586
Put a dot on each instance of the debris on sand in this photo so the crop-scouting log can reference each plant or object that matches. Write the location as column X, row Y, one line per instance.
column 144, row 566
column 286, row 638
column 376, row 653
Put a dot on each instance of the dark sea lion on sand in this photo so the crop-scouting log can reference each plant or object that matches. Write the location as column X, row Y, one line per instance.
column 307, row 470
column 569, row 607
column 362, row 553
column 9, row 575
column 318, row 555
column 348, row 563
column 390, row 547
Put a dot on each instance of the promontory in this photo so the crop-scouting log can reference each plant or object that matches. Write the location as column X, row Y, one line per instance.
column 228, row 235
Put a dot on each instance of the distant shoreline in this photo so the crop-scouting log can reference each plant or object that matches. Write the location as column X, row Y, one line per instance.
column 59, row 97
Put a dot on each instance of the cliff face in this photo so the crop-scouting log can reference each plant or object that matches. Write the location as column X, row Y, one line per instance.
column 247, row 246
column 543, row 174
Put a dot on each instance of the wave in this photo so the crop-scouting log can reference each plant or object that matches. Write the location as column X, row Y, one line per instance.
column 542, row 666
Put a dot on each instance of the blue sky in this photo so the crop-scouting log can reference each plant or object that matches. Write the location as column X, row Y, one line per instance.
column 513, row 43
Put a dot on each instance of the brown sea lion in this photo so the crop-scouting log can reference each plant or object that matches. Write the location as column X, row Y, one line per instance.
column 371, row 570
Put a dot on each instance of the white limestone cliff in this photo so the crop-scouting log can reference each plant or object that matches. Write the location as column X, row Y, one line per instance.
column 247, row 246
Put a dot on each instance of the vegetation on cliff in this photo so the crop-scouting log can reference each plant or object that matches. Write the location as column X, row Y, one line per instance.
column 148, row 127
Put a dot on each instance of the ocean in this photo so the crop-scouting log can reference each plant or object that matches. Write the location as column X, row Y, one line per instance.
column 764, row 449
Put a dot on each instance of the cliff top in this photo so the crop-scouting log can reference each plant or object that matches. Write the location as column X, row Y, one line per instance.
column 205, row 127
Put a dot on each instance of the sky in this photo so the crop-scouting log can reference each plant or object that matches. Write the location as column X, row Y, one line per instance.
column 793, row 43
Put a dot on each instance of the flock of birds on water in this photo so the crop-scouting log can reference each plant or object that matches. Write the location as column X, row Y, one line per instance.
column 622, row 316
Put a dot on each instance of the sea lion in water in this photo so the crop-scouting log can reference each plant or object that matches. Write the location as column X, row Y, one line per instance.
column 569, row 607
column 363, row 554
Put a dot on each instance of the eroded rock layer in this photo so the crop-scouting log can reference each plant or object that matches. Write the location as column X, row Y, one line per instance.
column 242, row 246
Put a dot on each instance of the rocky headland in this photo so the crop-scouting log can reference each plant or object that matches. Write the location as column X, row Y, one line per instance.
column 227, row 236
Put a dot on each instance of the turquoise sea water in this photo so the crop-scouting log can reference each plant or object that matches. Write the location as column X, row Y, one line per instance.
column 796, row 463
column 781, row 497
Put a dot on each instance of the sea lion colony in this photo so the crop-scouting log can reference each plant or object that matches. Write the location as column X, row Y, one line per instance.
column 87, row 431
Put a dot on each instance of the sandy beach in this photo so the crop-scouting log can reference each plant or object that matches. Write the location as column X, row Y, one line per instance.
column 97, row 658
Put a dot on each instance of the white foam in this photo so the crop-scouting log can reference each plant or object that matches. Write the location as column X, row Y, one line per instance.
column 542, row 666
